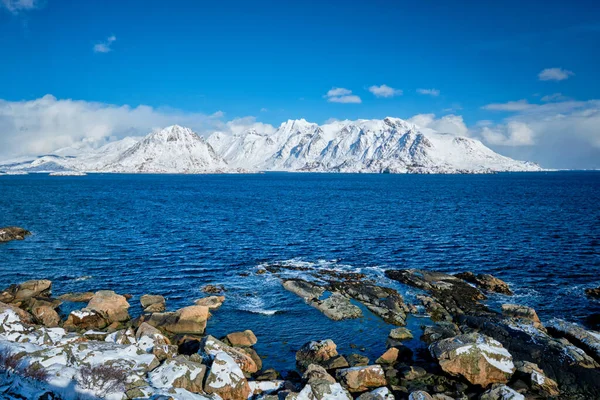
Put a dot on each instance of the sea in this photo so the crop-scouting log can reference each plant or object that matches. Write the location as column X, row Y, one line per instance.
column 174, row 234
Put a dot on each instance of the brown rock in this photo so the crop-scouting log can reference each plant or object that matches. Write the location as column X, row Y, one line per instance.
column 190, row 320
column 82, row 297
column 13, row 233
column 211, row 346
column 400, row 334
column 46, row 315
column 85, row 319
column 23, row 315
column 316, row 352
column 212, row 302
column 357, row 360
column 26, row 291
column 242, row 339
column 153, row 303
column 486, row 281
column 111, row 305
column 227, row 379
column 250, row 352
column 522, row 313
column 315, row 372
column 360, row 379
column 213, row 289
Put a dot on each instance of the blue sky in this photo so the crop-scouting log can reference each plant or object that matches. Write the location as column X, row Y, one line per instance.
column 241, row 57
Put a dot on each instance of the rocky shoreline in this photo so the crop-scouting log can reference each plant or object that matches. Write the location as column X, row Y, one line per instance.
column 97, row 349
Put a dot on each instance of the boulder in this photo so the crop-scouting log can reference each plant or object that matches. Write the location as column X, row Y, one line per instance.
column 269, row 374
column 420, row 395
column 394, row 355
column 191, row 320
column 315, row 352
column 212, row 302
column 213, row 289
column 441, row 330
column 13, row 233
column 487, row 282
column 522, row 314
column 211, row 346
column 242, row 339
column 478, row 358
column 400, row 334
column 23, row 315
column 357, row 360
column 501, row 392
column 250, row 352
column 146, row 329
column 82, row 297
column 382, row 393
column 264, row 388
column 360, row 379
column 85, row 319
column 164, row 351
column 111, row 305
column 336, row 362
column 306, row 290
column 435, row 310
column 315, row 372
column 153, row 303
column 227, row 379
column 321, row 390
column 412, row 372
column 179, row 373
column 26, row 291
column 46, row 315
column 535, row 377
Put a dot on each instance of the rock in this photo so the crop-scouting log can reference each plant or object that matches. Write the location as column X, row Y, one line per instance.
column 382, row 393
column 153, row 303
column 212, row 302
column 179, row 373
column 146, row 329
column 164, row 351
column 522, row 314
column 501, row 392
column 478, row 358
column 263, row 388
column 110, row 305
column 412, row 372
column 46, row 315
column 394, row 355
column 321, row 390
column 83, row 297
column 537, row 379
column 420, row 395
column 213, row 289
column 227, row 379
column 400, row 334
column 306, row 290
column 360, row 379
column 267, row 375
column 191, row 320
column 337, row 307
column 586, row 340
column 336, row 362
column 593, row 293
column 23, row 315
column 242, row 339
column 441, row 330
column 26, row 291
column 249, row 351
column 486, row 282
column 13, row 233
column 357, row 360
column 315, row 372
column 387, row 303
column 315, row 352
column 211, row 346
column 85, row 319
column 454, row 295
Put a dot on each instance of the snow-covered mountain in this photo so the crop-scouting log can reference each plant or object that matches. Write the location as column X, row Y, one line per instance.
column 389, row 145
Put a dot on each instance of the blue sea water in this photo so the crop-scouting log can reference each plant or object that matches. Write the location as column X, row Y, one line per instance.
column 172, row 234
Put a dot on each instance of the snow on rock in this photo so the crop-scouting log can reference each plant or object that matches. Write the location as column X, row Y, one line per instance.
column 502, row 392
column 390, row 145
column 478, row 358
column 227, row 379
column 179, row 373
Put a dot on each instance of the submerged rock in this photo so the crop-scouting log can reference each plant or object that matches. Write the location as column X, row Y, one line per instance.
column 227, row 379
column 213, row 289
column 13, row 233
column 478, row 358
column 487, row 282
column 593, row 293
column 360, row 379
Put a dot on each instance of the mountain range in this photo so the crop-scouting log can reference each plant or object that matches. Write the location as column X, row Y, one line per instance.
column 390, row 145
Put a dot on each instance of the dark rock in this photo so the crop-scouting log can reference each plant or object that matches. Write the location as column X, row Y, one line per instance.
column 213, row 289
column 589, row 342
column 487, row 282
column 593, row 293
column 439, row 331
column 316, row 352
column 267, row 375
column 357, row 360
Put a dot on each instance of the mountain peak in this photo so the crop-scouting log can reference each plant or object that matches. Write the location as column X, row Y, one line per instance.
column 174, row 133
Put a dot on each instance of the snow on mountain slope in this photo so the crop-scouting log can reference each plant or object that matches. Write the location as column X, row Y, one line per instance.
column 174, row 149
column 390, row 145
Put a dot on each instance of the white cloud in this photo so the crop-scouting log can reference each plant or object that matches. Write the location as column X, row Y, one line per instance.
column 430, row 92
column 514, row 133
column 519, row 105
column 555, row 97
column 218, row 114
column 264, row 109
column 554, row 74
column 341, row 95
column 384, row 91
column 17, row 6
column 105, row 47
column 43, row 125
column 451, row 123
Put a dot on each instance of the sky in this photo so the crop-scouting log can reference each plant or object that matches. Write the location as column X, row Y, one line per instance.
column 521, row 76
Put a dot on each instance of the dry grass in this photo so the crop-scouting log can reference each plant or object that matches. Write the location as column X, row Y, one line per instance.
column 103, row 379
